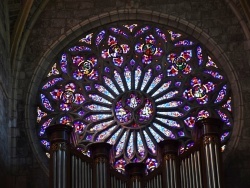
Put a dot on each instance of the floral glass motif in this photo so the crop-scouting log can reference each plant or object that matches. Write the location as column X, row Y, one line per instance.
column 132, row 86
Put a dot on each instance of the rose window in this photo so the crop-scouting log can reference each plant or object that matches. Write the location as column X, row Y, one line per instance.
column 133, row 86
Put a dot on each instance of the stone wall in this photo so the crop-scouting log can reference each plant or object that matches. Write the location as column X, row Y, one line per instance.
column 4, row 92
column 212, row 16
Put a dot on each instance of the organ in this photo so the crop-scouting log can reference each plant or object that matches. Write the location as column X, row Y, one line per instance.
column 198, row 167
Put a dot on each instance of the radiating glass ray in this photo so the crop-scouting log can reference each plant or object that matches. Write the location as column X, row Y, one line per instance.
column 99, row 99
column 110, row 84
column 101, row 126
column 87, row 39
column 146, row 78
column 228, row 105
column 99, row 37
column 105, row 134
column 120, row 145
column 149, row 142
column 127, row 75
column 113, row 138
column 169, row 95
column 157, row 137
column 141, row 31
column 130, row 147
column 140, row 145
column 165, row 131
column 40, row 114
column 169, row 122
column 173, row 114
column 103, row 90
column 161, row 34
column 46, row 103
column 118, row 31
column 137, row 76
column 53, row 71
column 224, row 117
column 155, row 82
column 51, row 83
column 95, row 107
column 130, row 27
column 210, row 63
column 118, row 80
column 97, row 117
column 214, row 74
column 79, row 49
column 164, row 87
column 170, row 104
column 221, row 94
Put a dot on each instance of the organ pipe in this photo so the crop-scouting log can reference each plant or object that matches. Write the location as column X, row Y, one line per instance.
column 59, row 136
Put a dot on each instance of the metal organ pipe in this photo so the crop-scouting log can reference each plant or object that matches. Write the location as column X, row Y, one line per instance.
column 59, row 136
column 210, row 130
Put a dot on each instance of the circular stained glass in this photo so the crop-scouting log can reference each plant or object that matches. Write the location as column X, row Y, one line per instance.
column 134, row 85
column 86, row 67
column 180, row 63
column 149, row 49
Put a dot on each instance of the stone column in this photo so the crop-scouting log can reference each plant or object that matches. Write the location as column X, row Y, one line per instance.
column 208, row 131
column 135, row 172
column 59, row 136
column 100, row 152
column 170, row 163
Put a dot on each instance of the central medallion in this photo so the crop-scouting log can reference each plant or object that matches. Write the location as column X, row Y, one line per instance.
column 134, row 109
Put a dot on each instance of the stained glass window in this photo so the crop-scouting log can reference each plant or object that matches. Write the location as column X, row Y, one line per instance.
column 133, row 85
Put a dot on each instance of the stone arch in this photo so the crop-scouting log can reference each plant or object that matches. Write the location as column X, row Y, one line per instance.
column 123, row 15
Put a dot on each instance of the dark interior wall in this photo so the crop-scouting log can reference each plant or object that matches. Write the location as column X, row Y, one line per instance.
column 212, row 16
column 4, row 91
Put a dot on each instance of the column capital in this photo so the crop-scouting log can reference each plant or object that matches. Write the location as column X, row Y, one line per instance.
column 100, row 149
column 208, row 126
column 59, row 133
column 169, row 147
